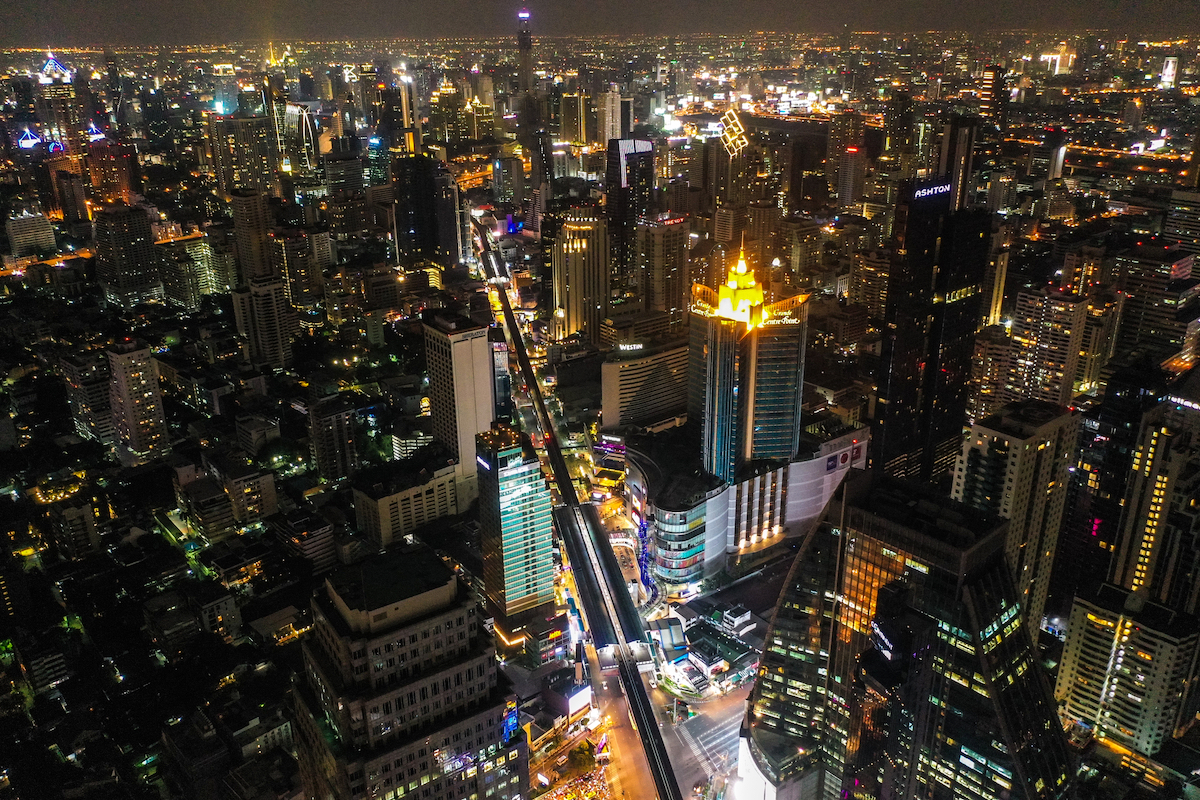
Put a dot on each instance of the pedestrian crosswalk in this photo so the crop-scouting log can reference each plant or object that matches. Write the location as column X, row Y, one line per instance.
column 714, row 746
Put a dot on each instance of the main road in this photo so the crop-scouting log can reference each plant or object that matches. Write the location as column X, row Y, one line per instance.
column 609, row 611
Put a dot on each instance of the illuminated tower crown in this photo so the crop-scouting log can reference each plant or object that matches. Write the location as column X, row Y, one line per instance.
column 741, row 296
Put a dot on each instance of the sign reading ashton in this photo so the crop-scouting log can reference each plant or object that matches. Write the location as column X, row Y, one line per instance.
column 931, row 191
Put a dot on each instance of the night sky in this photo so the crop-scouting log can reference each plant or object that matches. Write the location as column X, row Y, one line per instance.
column 45, row 23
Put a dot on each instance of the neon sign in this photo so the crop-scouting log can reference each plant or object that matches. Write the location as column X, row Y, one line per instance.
column 510, row 722
column 932, row 191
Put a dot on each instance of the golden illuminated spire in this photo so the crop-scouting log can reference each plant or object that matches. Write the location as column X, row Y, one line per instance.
column 741, row 297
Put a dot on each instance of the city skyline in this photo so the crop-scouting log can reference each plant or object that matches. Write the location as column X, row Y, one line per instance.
column 552, row 408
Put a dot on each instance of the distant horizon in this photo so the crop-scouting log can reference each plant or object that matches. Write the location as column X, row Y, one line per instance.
column 148, row 23
column 94, row 46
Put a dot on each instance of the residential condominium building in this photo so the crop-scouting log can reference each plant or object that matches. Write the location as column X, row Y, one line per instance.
column 1129, row 669
column 1016, row 465
column 401, row 696
column 1047, row 336
column 139, row 426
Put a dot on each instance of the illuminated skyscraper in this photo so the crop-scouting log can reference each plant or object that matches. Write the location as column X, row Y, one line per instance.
column 629, row 195
column 515, row 530
column 1047, row 338
column 140, row 429
column 1158, row 298
column 956, row 161
column 126, row 267
column 661, row 264
column 245, row 151
column 896, row 665
column 293, row 257
column 993, row 96
column 87, row 378
column 461, row 386
column 251, row 221
column 1015, row 465
column 265, row 317
column 401, row 692
column 113, row 170
column 581, row 273
column 524, row 52
column 749, row 358
column 930, row 318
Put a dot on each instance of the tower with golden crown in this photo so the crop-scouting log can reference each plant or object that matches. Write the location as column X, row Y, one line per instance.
column 745, row 372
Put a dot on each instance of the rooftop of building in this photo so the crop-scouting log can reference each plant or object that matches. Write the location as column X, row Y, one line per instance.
column 448, row 322
column 390, row 578
column 398, row 476
column 1154, row 252
column 920, row 508
column 670, row 462
column 1023, row 418
column 1148, row 614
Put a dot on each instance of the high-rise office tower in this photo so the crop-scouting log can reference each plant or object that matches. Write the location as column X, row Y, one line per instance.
column 745, row 372
column 896, row 664
column 956, row 159
column 345, row 169
column 415, row 183
column 898, row 123
column 265, row 317
column 845, row 130
column 851, row 173
column 401, row 694
column 461, row 385
column 1154, row 547
column 515, row 530
column 126, row 268
column 251, row 222
column 245, row 151
column 87, row 378
column 61, row 108
column 508, row 180
column 454, row 241
column 629, row 195
column 400, row 123
column 661, row 264
column 608, row 116
column 930, row 318
column 1182, row 227
column 332, row 438
column 1156, row 290
column 576, row 108
column 993, row 96
column 293, row 257
column 1047, row 338
column 139, row 427
column 581, row 275
column 1015, row 465
column 524, row 52
column 113, row 170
